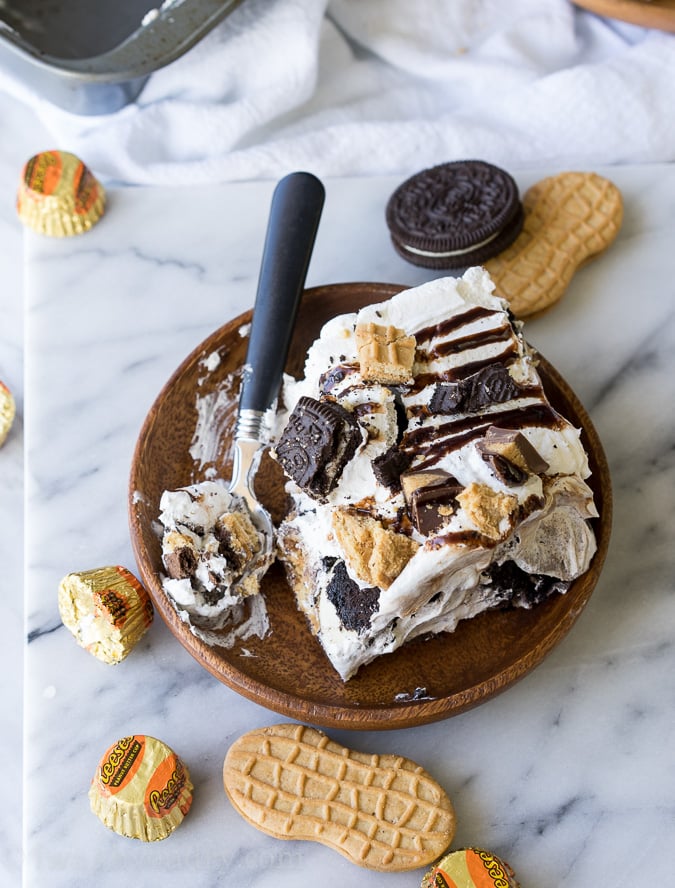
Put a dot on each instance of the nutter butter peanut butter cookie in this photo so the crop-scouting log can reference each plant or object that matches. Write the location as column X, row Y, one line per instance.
column 455, row 490
column 141, row 789
column 106, row 609
column 569, row 219
column 382, row 812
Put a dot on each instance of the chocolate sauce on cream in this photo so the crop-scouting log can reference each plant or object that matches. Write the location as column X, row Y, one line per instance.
column 455, row 322
column 434, row 442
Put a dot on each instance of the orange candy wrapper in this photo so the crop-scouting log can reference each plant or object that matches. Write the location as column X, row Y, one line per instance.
column 58, row 195
column 141, row 789
column 470, row 868
column 106, row 609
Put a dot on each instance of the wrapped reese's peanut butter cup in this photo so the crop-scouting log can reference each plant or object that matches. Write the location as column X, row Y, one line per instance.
column 470, row 868
column 7, row 411
column 58, row 195
column 106, row 609
column 141, row 789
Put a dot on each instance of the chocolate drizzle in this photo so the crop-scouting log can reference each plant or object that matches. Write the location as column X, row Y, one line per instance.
column 434, row 442
column 336, row 375
column 455, row 322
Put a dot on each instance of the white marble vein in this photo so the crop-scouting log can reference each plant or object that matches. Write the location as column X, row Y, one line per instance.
column 570, row 774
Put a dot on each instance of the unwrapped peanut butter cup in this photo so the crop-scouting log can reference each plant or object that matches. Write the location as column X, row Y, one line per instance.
column 141, row 789
column 58, row 195
column 106, row 609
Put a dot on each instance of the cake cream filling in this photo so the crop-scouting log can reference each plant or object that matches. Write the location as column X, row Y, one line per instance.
column 458, row 325
column 446, row 253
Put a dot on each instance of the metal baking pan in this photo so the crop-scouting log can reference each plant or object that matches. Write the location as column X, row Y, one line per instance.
column 93, row 58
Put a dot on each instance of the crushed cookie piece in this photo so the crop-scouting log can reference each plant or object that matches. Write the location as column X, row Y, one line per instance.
column 238, row 540
column 487, row 508
column 375, row 554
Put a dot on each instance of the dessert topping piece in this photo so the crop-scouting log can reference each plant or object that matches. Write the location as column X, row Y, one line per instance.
column 388, row 467
column 58, row 195
column 380, row 811
column 386, row 354
column 141, row 789
column 487, row 508
column 431, row 505
column 492, row 384
column 318, row 441
column 512, row 445
column 106, row 609
column 7, row 411
column 376, row 554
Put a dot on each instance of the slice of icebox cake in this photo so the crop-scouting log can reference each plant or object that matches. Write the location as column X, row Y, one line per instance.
column 429, row 475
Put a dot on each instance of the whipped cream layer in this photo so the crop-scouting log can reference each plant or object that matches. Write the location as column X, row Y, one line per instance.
column 536, row 540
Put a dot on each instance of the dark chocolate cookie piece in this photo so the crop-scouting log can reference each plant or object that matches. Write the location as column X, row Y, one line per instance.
column 520, row 589
column 316, row 444
column 354, row 605
column 492, row 384
column 455, row 215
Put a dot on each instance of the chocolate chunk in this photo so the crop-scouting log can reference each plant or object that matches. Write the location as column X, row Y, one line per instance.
column 521, row 589
column 492, row 384
column 431, row 506
column 354, row 605
column 318, row 441
column 181, row 563
column 388, row 466
column 507, row 472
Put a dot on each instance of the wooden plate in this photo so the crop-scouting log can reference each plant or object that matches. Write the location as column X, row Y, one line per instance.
column 659, row 14
column 425, row 680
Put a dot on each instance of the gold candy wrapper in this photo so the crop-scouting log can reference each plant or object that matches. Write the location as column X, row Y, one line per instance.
column 470, row 868
column 58, row 195
column 106, row 609
column 7, row 411
column 141, row 789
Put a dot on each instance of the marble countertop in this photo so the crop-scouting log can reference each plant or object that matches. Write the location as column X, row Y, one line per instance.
column 569, row 774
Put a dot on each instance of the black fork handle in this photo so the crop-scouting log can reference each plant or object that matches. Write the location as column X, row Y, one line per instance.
column 296, row 208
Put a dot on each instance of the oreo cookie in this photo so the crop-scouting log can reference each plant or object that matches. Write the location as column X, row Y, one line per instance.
column 318, row 441
column 454, row 215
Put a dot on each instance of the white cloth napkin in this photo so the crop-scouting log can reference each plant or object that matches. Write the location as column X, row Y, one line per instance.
column 349, row 87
